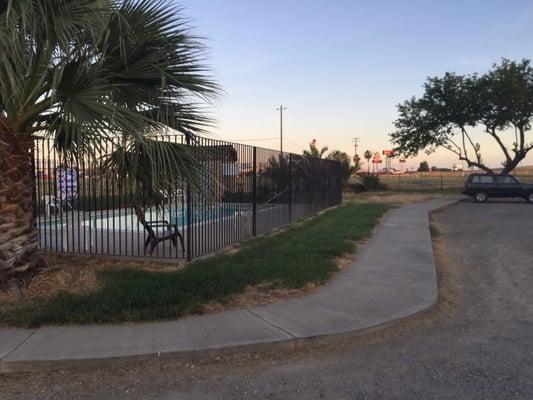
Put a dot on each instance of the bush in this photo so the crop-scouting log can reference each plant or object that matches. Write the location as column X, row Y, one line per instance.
column 367, row 182
column 356, row 187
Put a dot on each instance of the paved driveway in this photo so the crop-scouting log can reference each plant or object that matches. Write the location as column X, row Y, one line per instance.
column 476, row 344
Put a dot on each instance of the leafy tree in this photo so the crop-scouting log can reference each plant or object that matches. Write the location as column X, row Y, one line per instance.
column 313, row 151
column 500, row 101
column 368, row 157
column 83, row 71
column 423, row 167
column 344, row 160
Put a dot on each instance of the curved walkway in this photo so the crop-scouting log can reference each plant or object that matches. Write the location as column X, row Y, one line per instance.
column 393, row 278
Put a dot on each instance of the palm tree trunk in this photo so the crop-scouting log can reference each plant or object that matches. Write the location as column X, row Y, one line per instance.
column 18, row 234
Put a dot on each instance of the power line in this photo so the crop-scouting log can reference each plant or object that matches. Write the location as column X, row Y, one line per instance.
column 253, row 140
column 299, row 147
column 294, row 144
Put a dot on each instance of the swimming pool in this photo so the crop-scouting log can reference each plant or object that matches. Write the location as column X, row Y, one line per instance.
column 129, row 222
column 52, row 224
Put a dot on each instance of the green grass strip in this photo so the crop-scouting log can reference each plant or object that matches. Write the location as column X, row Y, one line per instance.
column 304, row 253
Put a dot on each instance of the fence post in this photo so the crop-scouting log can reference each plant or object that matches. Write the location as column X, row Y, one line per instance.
column 34, row 199
column 441, row 185
column 290, row 187
column 189, row 211
column 311, row 161
column 254, row 193
column 340, row 191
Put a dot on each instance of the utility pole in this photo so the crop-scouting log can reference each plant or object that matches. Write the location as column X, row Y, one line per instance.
column 355, row 141
column 281, row 108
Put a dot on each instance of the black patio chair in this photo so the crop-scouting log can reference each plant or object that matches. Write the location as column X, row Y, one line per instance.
column 172, row 233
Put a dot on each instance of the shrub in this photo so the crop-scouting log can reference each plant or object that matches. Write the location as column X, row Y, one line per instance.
column 367, row 182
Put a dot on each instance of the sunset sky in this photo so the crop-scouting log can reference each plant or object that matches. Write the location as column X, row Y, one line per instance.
column 340, row 67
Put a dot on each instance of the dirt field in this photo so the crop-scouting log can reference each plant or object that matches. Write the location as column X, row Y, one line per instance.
column 440, row 180
column 391, row 197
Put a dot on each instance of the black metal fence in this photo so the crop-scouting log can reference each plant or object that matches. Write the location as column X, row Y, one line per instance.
column 247, row 191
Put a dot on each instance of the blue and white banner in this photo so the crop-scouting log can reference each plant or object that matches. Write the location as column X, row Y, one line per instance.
column 67, row 184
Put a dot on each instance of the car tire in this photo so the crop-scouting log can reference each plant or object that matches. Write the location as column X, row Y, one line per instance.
column 529, row 198
column 480, row 197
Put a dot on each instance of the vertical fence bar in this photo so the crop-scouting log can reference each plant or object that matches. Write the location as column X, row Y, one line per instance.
column 43, row 182
column 254, row 192
column 49, row 192
column 188, row 210
column 34, row 192
column 311, row 188
column 290, row 187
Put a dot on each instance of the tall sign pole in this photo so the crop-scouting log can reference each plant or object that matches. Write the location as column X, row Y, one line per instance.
column 355, row 141
column 388, row 159
column 281, row 108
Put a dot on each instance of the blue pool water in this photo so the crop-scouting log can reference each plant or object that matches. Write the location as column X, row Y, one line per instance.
column 129, row 221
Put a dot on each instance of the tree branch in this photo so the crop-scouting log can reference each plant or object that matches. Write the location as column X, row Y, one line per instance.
column 476, row 164
column 463, row 138
column 522, row 138
column 492, row 132
column 456, row 145
column 465, row 158
column 478, row 155
column 457, row 153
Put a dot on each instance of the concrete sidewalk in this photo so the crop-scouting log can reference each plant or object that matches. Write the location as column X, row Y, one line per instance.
column 393, row 277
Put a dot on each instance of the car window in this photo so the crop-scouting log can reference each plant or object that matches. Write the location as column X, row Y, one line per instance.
column 506, row 180
column 482, row 179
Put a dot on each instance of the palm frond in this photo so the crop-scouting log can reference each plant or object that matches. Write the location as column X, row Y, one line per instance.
column 154, row 166
column 88, row 71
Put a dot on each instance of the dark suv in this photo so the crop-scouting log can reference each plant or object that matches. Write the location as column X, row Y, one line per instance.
column 483, row 186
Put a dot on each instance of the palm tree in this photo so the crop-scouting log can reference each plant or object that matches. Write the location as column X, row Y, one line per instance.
column 81, row 71
column 313, row 151
column 368, row 156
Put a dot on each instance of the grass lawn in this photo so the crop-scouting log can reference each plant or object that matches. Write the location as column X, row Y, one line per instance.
column 434, row 231
column 304, row 253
